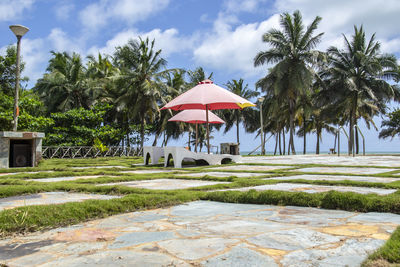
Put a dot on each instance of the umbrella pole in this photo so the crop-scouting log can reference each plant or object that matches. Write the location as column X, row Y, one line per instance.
column 208, row 131
column 197, row 138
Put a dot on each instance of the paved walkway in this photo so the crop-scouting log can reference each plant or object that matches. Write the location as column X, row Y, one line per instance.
column 47, row 198
column 205, row 233
column 392, row 161
column 217, row 234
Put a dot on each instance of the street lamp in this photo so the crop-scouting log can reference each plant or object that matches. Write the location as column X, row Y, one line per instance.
column 19, row 31
column 261, row 99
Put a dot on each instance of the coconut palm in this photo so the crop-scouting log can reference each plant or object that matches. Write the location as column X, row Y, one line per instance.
column 65, row 86
column 392, row 124
column 358, row 76
column 197, row 76
column 174, row 85
column 292, row 51
column 236, row 116
column 140, row 66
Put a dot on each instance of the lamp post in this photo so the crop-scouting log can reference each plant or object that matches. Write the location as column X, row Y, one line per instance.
column 261, row 99
column 19, row 31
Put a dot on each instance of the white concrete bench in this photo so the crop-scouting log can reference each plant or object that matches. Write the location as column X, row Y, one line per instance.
column 152, row 153
column 179, row 153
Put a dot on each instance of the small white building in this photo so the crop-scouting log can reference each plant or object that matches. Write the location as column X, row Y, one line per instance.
column 20, row 149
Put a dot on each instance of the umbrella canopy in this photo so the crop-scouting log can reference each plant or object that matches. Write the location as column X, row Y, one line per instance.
column 196, row 116
column 207, row 95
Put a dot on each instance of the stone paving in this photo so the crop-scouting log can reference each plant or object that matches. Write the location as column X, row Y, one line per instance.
column 392, row 161
column 250, row 168
column 99, row 167
column 216, row 234
column 165, row 184
column 60, row 179
column 222, row 174
column 206, row 233
column 338, row 178
column 345, row 170
column 47, row 198
column 310, row 188
column 150, row 171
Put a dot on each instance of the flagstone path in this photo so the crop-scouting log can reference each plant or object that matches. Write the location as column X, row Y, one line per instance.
column 222, row 174
column 165, row 184
column 206, row 233
column 337, row 178
column 346, row 170
column 310, row 188
column 47, row 198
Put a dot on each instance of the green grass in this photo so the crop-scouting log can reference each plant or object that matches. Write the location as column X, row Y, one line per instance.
column 348, row 201
column 388, row 254
column 34, row 218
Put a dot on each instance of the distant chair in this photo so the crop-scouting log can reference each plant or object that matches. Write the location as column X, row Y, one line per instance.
column 177, row 154
column 153, row 154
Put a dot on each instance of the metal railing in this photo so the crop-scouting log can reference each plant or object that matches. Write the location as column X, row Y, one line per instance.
column 49, row 152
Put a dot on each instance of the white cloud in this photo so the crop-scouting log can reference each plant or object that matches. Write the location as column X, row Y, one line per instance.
column 129, row 11
column 234, row 49
column 36, row 52
column 340, row 16
column 35, row 58
column 11, row 9
column 390, row 46
column 236, row 6
column 232, row 45
column 61, row 42
column 64, row 10
column 169, row 41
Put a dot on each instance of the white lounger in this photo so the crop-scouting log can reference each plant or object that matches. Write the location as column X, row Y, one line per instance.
column 152, row 153
column 179, row 153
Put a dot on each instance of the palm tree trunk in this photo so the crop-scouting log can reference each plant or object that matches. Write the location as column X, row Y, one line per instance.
column 291, row 125
column 237, row 127
column 334, row 144
column 318, row 138
column 304, row 140
column 265, row 135
column 197, row 138
column 142, row 132
column 155, row 139
column 280, row 148
column 189, row 141
column 284, row 141
column 163, row 142
column 128, row 143
column 351, row 130
column 357, row 142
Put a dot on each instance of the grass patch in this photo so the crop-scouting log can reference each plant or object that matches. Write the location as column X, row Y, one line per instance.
column 388, row 254
column 34, row 218
column 330, row 200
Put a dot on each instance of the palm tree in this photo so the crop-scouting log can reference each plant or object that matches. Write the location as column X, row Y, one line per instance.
column 318, row 121
column 292, row 51
column 237, row 116
column 174, row 85
column 392, row 125
column 197, row 76
column 140, row 67
column 358, row 77
column 65, row 86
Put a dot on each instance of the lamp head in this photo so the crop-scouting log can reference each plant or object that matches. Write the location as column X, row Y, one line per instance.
column 19, row 30
column 261, row 99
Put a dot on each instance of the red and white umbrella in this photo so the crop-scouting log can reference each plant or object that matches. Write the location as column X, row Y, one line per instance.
column 208, row 96
column 196, row 116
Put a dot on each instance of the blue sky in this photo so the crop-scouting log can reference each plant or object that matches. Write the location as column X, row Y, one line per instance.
column 221, row 36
